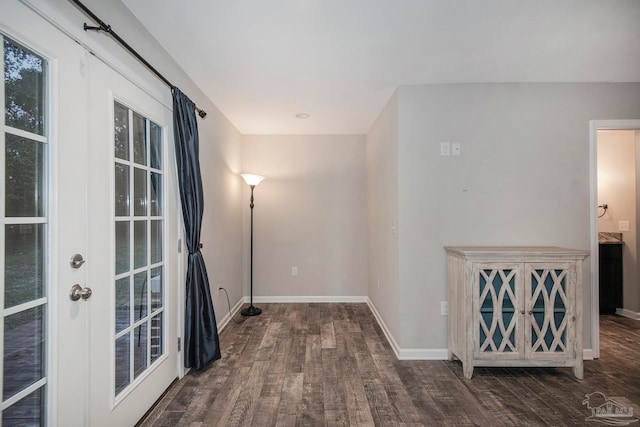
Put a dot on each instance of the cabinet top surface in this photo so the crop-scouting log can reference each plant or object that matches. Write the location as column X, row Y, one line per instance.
column 514, row 251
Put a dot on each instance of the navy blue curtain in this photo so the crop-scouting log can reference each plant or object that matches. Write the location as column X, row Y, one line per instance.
column 201, row 345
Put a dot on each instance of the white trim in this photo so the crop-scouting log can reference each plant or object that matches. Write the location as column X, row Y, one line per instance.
column 227, row 318
column 587, row 354
column 387, row 333
column 424, row 354
column 42, row 301
column 23, row 133
column 594, row 125
column 304, row 298
column 23, row 393
column 26, row 220
column 635, row 315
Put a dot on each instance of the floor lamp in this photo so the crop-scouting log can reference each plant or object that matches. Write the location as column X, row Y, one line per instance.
column 252, row 180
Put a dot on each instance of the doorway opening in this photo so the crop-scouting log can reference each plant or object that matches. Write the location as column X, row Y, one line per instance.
column 615, row 189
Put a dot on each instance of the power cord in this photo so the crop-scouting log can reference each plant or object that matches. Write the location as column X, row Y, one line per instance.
column 229, row 305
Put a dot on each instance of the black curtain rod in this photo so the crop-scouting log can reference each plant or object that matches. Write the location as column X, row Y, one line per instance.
column 102, row 26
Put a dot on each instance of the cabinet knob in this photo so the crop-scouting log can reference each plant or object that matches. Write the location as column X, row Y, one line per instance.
column 521, row 311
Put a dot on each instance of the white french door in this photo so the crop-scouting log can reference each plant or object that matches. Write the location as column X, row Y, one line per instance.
column 87, row 169
column 133, row 228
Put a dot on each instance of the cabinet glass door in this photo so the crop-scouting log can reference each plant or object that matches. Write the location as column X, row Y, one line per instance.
column 549, row 313
column 497, row 312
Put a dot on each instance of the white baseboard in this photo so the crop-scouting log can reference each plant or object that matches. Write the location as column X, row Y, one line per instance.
column 226, row 319
column 424, row 354
column 628, row 313
column 383, row 326
column 407, row 353
column 587, row 354
column 305, row 298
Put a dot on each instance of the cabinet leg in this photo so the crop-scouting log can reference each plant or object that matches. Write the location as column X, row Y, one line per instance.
column 467, row 370
column 578, row 370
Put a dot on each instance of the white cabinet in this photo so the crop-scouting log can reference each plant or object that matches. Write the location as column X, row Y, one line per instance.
column 515, row 306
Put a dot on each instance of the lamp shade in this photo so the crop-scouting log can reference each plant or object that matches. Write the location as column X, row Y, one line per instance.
column 252, row 179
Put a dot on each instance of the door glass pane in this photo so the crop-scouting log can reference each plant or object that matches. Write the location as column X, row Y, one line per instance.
column 140, row 350
column 140, row 242
column 23, row 263
column 139, row 192
column 139, row 139
column 122, row 362
column 121, row 189
column 140, row 296
column 157, row 286
column 157, row 345
column 156, row 146
column 123, row 303
column 123, row 257
column 29, row 411
column 24, row 88
column 23, row 188
column 156, row 194
column 156, row 242
column 23, row 350
column 121, row 131
column 139, row 288
column 24, row 177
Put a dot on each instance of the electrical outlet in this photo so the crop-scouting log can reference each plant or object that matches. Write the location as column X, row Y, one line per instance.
column 378, row 283
column 444, row 308
column 294, row 271
column 623, row 225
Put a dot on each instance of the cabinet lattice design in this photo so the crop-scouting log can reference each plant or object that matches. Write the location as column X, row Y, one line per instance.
column 515, row 306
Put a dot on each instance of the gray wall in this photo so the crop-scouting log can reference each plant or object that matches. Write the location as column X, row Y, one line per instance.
column 310, row 213
column 522, row 179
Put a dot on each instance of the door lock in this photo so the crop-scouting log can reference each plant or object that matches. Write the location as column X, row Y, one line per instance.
column 76, row 261
column 78, row 292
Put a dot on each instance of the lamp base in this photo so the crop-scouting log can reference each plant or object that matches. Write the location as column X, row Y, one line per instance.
column 251, row 311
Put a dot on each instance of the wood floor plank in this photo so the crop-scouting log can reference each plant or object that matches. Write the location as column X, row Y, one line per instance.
column 291, row 399
column 330, row 365
column 327, row 335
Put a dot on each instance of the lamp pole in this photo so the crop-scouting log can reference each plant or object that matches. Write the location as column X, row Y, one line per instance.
column 252, row 180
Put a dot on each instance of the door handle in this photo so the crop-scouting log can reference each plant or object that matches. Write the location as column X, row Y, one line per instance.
column 78, row 292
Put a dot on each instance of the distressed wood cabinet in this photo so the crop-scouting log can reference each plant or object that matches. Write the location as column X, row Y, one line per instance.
column 515, row 306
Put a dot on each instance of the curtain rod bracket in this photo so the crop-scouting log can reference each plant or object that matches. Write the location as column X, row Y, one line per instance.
column 201, row 113
column 102, row 27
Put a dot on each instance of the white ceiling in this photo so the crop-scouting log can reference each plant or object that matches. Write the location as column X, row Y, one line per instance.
column 261, row 62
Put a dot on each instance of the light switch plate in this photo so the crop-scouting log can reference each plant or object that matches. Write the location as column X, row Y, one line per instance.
column 623, row 225
column 445, row 149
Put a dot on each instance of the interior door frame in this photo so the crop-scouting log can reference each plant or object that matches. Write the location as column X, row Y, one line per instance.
column 594, row 127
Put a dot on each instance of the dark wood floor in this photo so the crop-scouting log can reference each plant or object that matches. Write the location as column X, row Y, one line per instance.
column 330, row 364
